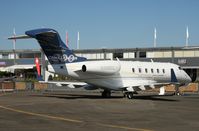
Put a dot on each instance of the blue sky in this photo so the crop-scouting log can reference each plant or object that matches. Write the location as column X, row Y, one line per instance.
column 103, row 23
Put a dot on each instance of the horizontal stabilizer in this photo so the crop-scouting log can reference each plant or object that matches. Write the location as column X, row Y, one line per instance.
column 19, row 37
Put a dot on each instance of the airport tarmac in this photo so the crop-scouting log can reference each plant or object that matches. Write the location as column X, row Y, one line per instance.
column 83, row 111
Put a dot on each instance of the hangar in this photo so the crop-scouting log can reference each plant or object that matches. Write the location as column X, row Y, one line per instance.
column 186, row 57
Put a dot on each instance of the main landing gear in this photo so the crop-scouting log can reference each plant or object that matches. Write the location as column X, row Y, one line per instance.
column 129, row 95
column 106, row 94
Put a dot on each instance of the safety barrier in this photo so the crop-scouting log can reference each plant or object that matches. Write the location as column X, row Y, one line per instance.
column 20, row 86
column 7, row 86
column 192, row 87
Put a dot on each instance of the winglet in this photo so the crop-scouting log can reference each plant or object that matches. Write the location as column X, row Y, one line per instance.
column 173, row 77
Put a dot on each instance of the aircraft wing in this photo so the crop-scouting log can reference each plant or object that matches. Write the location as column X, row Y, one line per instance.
column 144, row 85
column 68, row 84
column 72, row 84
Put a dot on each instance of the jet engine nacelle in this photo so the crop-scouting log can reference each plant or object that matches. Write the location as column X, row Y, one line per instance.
column 102, row 67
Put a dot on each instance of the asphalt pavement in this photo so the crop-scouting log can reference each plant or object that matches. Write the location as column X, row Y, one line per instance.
column 83, row 111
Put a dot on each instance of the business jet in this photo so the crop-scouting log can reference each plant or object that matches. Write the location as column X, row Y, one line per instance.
column 126, row 76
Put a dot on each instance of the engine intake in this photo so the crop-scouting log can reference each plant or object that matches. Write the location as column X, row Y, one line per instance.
column 84, row 68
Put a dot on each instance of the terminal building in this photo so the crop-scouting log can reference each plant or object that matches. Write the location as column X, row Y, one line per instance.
column 186, row 57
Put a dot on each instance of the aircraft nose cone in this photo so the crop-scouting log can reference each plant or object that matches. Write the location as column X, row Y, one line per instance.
column 189, row 79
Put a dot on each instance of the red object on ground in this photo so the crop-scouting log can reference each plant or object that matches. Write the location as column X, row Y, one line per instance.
column 37, row 66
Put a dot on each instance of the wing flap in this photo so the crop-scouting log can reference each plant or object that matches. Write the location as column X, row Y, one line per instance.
column 68, row 84
column 146, row 87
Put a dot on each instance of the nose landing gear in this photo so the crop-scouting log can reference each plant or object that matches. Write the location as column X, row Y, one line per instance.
column 106, row 94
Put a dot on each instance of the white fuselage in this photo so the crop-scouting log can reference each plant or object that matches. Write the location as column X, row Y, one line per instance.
column 117, row 75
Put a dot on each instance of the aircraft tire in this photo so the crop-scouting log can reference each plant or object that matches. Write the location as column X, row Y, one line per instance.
column 129, row 95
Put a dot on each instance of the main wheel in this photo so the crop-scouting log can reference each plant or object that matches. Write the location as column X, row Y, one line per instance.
column 129, row 95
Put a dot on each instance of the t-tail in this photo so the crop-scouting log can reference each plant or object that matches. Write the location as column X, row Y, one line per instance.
column 54, row 48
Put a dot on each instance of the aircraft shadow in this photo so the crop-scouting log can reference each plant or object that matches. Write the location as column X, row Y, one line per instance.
column 77, row 96
column 86, row 96
column 155, row 98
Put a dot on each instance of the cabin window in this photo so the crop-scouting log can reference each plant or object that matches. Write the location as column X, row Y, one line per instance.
column 140, row 70
column 163, row 70
column 61, row 67
column 157, row 70
column 146, row 70
column 151, row 70
column 133, row 70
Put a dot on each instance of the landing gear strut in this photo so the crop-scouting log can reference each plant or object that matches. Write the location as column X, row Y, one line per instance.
column 106, row 94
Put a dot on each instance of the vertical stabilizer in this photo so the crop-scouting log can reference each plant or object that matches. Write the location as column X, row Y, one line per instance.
column 54, row 48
